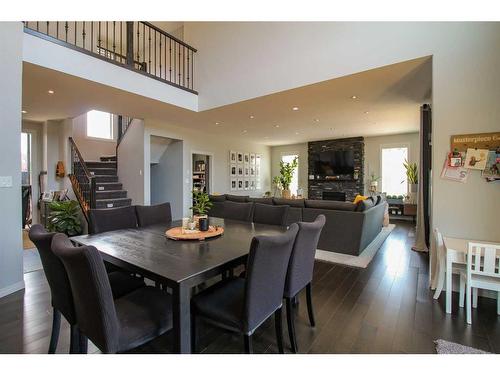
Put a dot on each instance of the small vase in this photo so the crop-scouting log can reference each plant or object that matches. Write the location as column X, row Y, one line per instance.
column 203, row 224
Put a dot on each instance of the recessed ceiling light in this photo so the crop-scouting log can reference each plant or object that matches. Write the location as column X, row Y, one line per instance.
column 23, row 111
column 244, row 131
column 217, row 123
column 331, row 129
column 366, row 112
column 297, row 133
column 295, row 108
column 276, row 126
column 316, row 120
column 252, row 116
column 354, row 97
column 50, row 92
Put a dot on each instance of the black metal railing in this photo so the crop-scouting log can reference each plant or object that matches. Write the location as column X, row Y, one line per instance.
column 123, row 125
column 136, row 45
column 82, row 181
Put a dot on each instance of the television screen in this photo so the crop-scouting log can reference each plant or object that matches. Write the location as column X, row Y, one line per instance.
column 334, row 163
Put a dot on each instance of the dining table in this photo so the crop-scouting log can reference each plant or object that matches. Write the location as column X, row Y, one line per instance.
column 177, row 264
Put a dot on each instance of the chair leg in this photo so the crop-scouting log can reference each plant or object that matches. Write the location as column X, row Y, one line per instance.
column 193, row 333
column 440, row 281
column 74, row 340
column 82, row 343
column 474, row 297
column 468, row 298
column 462, row 291
column 310, row 310
column 56, row 326
column 248, row 344
column 291, row 325
column 278, row 324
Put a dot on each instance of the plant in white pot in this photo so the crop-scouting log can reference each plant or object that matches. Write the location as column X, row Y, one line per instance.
column 412, row 178
column 201, row 206
column 286, row 175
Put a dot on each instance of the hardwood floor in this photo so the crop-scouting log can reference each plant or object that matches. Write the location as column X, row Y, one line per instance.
column 385, row 308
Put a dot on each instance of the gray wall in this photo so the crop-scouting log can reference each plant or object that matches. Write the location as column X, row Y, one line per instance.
column 11, row 258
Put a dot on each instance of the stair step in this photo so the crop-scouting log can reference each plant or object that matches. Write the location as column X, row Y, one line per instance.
column 104, row 178
column 108, row 158
column 107, row 186
column 113, row 203
column 103, row 171
column 111, row 194
column 101, row 164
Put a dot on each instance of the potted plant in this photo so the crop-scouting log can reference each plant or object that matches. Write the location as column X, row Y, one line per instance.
column 201, row 205
column 65, row 218
column 373, row 182
column 286, row 175
column 412, row 178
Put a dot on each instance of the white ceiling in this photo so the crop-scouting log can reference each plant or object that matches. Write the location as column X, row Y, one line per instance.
column 391, row 95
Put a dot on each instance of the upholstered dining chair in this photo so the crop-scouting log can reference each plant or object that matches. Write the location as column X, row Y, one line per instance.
column 156, row 214
column 60, row 290
column 269, row 214
column 112, row 325
column 242, row 305
column 108, row 219
column 238, row 210
column 300, row 272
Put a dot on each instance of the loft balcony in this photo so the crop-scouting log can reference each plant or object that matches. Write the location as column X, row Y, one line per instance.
column 135, row 45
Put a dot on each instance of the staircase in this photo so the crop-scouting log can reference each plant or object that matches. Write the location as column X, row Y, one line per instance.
column 109, row 191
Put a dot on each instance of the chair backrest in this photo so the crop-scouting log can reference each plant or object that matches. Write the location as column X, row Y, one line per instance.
column 60, row 289
column 93, row 299
column 438, row 238
column 107, row 219
column 266, row 272
column 157, row 214
column 301, row 265
column 269, row 214
column 483, row 259
column 238, row 211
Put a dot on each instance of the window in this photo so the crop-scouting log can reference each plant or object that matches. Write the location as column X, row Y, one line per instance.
column 26, row 158
column 393, row 170
column 99, row 125
column 295, row 178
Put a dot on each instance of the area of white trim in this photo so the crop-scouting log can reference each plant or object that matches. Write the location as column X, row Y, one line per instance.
column 364, row 258
column 12, row 289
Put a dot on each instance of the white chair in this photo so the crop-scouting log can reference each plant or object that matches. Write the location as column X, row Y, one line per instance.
column 458, row 269
column 483, row 272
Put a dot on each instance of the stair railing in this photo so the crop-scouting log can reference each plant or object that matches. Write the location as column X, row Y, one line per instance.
column 83, row 182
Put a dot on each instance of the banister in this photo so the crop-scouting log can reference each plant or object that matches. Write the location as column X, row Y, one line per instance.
column 169, row 36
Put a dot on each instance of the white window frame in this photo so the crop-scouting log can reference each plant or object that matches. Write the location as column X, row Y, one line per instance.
column 391, row 145
column 112, row 126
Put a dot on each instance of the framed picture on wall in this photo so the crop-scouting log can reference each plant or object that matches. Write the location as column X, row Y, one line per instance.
column 246, row 158
column 247, row 171
column 247, row 184
column 252, row 159
column 257, row 184
column 240, row 184
column 234, row 184
column 252, row 184
column 240, row 170
column 252, row 170
column 232, row 156
column 233, row 170
column 240, row 157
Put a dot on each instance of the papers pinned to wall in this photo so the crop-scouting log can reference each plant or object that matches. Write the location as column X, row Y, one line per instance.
column 476, row 158
column 458, row 174
column 492, row 170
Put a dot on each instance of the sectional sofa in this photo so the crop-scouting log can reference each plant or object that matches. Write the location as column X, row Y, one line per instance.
column 349, row 227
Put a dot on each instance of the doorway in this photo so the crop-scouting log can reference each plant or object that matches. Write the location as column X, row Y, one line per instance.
column 201, row 172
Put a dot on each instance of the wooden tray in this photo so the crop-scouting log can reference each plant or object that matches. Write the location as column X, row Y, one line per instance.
column 176, row 234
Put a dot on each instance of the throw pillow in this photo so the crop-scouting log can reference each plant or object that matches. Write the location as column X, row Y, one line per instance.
column 359, row 198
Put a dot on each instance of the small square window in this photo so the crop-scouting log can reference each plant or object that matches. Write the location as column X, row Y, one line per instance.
column 99, row 125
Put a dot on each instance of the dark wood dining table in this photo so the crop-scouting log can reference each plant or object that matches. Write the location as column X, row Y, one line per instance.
column 179, row 265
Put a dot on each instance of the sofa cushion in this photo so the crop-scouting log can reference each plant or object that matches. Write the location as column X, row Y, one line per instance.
column 237, row 198
column 217, row 209
column 261, row 200
column 217, row 198
column 242, row 211
column 289, row 202
column 365, row 204
column 330, row 205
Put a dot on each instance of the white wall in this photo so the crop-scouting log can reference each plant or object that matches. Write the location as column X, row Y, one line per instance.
column 238, row 61
column 299, row 149
column 131, row 162
column 217, row 147
column 11, row 248
column 372, row 152
column 91, row 148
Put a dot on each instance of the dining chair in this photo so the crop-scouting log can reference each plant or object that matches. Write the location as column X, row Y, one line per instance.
column 60, row 290
column 156, row 214
column 269, row 214
column 242, row 304
column 483, row 272
column 113, row 325
column 108, row 219
column 300, row 272
column 457, row 269
column 238, row 211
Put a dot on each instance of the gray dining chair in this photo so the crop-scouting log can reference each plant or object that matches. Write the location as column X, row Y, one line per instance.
column 118, row 325
column 269, row 214
column 242, row 305
column 300, row 272
column 238, row 211
column 60, row 290
column 155, row 214
column 108, row 219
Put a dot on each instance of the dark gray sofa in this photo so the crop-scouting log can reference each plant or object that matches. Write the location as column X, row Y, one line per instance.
column 349, row 227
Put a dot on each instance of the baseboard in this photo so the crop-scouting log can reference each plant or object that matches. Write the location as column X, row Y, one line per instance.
column 12, row 289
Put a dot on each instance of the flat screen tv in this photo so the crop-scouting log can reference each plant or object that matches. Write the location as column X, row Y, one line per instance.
column 334, row 163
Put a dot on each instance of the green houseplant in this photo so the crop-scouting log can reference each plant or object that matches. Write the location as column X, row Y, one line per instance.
column 286, row 175
column 201, row 203
column 65, row 218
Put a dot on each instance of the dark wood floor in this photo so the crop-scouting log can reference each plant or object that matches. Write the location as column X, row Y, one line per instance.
column 385, row 308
